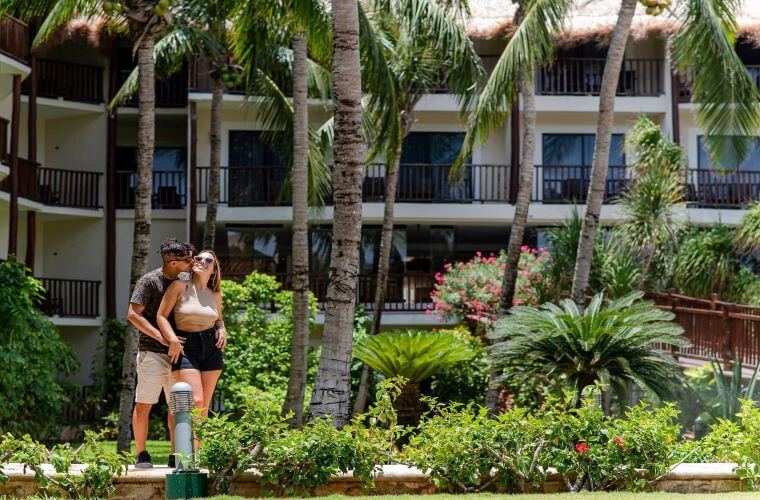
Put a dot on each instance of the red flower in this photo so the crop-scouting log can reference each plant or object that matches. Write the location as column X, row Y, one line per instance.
column 581, row 448
column 618, row 441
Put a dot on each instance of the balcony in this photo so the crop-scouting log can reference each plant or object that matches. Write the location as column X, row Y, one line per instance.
column 171, row 92
column 70, row 298
column 57, row 187
column 69, row 81
column 583, row 76
column 568, row 184
column 169, row 189
column 684, row 82
column 14, row 39
column 707, row 188
column 406, row 292
column 418, row 183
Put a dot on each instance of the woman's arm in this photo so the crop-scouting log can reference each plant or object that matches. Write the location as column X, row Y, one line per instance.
column 221, row 331
column 172, row 295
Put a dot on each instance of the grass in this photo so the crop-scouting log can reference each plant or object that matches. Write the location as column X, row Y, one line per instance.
column 159, row 450
column 556, row 496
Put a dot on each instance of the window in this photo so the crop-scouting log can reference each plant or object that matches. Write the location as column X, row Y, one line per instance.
column 260, row 248
column 169, row 184
column 578, row 149
column 248, row 148
column 426, row 162
column 751, row 162
column 432, row 147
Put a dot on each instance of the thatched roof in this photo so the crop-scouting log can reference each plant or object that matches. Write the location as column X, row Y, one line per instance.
column 593, row 20
column 94, row 31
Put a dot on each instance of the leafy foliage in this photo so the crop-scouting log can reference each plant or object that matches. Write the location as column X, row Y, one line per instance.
column 258, row 317
column 95, row 480
column 748, row 232
column 414, row 355
column 615, row 345
column 33, row 357
column 724, row 395
column 107, row 364
column 707, row 261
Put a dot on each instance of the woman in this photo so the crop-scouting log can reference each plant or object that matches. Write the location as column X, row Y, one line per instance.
column 197, row 308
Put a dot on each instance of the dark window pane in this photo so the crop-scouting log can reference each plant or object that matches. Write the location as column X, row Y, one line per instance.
column 578, row 149
column 751, row 162
column 248, row 148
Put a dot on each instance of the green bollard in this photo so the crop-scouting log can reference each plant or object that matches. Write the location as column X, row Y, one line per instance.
column 187, row 481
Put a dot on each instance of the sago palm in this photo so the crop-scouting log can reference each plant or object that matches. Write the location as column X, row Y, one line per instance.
column 414, row 355
column 614, row 344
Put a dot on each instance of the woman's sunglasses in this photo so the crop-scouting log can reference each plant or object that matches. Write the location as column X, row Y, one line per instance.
column 207, row 260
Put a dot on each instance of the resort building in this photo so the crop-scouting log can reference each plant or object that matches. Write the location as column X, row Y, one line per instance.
column 68, row 166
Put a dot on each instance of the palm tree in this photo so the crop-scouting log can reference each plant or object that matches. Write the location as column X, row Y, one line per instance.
column 424, row 49
column 144, row 21
column 614, row 344
column 726, row 96
column 649, row 225
column 332, row 389
column 415, row 356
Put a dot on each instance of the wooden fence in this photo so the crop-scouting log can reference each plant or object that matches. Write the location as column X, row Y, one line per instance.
column 716, row 329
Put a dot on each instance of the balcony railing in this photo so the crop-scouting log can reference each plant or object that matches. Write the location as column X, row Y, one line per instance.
column 171, row 92
column 583, row 76
column 57, row 187
column 169, row 189
column 406, row 291
column 71, row 298
column 710, row 188
column 14, row 38
column 685, row 82
column 70, row 81
column 570, row 183
column 418, row 183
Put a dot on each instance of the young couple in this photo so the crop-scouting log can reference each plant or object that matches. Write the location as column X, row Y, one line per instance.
column 182, row 334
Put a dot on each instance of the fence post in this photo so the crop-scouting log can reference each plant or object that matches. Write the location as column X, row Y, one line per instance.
column 713, row 301
column 674, row 350
column 728, row 349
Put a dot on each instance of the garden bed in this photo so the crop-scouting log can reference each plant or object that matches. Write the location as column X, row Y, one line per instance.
column 393, row 480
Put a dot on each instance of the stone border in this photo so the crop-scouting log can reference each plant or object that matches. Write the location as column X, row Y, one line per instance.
column 145, row 484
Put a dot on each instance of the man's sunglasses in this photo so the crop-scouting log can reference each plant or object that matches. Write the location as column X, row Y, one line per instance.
column 207, row 260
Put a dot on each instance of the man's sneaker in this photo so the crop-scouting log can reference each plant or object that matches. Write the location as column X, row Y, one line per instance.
column 172, row 462
column 143, row 461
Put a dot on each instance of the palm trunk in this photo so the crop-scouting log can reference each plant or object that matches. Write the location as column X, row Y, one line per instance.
column 141, row 238
column 520, row 220
column 299, row 349
column 407, row 405
column 332, row 390
column 384, row 261
column 212, row 203
column 601, row 159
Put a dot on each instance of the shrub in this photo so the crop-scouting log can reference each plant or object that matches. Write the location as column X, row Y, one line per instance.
column 33, row 357
column 707, row 261
column 258, row 317
column 616, row 344
column 470, row 291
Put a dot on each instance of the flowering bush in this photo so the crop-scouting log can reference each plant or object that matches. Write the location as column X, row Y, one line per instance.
column 471, row 290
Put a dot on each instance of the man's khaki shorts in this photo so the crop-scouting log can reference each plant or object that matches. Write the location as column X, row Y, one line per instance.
column 154, row 373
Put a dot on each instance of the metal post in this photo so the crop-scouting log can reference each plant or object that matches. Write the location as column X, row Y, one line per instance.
column 186, row 481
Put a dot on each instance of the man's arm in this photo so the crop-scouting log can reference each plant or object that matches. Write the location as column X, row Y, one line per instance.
column 135, row 316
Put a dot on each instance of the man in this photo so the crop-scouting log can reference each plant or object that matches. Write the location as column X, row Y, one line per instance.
column 153, row 365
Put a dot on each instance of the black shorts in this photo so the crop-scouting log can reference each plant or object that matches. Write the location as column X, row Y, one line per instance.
column 201, row 352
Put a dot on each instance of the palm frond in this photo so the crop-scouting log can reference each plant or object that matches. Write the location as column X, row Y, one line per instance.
column 725, row 94
column 748, row 232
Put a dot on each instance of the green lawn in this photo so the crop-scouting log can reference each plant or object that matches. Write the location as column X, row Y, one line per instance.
column 556, row 496
column 159, row 450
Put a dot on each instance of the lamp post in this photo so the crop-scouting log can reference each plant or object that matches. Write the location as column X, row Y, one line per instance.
column 186, row 481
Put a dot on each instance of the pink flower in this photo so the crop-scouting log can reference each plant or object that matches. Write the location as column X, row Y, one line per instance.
column 581, row 448
column 618, row 441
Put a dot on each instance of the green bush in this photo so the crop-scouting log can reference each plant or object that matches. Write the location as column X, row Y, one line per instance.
column 33, row 357
column 259, row 320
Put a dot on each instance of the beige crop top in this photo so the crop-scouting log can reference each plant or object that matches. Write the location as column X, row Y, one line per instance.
column 196, row 309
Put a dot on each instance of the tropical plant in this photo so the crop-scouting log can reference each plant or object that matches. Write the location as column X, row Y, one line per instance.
column 748, row 232
column 415, row 356
column 34, row 356
column 729, row 390
column 425, row 47
column 616, row 271
column 649, row 227
column 744, row 288
column 614, row 344
column 724, row 93
column 707, row 261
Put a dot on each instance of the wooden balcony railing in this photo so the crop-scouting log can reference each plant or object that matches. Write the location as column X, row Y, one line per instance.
column 715, row 329
column 710, row 188
column 14, row 38
column 70, row 81
column 247, row 186
column 171, row 92
column 57, row 187
column 570, row 183
column 685, row 82
column 169, row 189
column 71, row 298
column 406, row 291
column 583, row 76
